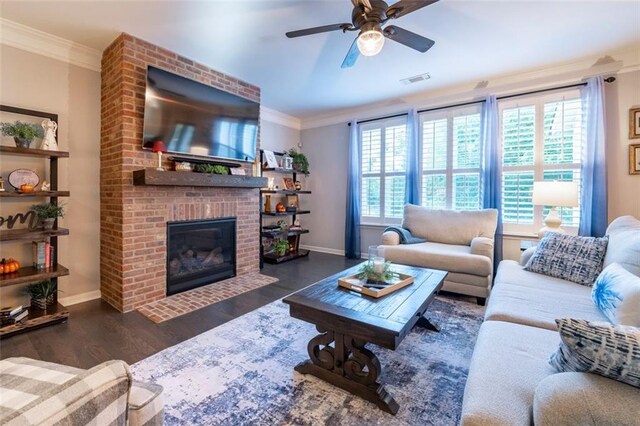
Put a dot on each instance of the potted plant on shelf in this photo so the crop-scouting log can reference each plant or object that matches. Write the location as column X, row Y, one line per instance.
column 281, row 247
column 23, row 133
column 300, row 161
column 47, row 213
column 43, row 294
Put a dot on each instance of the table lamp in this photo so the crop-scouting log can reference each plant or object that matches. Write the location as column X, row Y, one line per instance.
column 158, row 148
column 554, row 194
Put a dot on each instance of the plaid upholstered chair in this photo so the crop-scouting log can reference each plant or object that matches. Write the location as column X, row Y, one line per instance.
column 43, row 393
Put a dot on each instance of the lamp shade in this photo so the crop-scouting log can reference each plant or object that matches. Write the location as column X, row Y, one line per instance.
column 555, row 194
column 158, row 146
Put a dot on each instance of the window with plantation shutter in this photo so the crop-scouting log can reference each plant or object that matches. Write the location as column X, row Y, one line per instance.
column 541, row 139
column 451, row 155
column 384, row 151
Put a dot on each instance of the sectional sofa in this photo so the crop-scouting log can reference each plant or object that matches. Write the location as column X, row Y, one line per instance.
column 510, row 379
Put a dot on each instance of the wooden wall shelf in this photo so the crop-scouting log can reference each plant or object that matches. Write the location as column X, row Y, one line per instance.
column 170, row 178
column 36, row 319
column 29, row 274
column 35, row 194
column 33, row 152
column 26, row 234
column 286, row 213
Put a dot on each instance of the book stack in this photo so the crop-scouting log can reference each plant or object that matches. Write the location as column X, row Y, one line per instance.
column 42, row 254
column 12, row 314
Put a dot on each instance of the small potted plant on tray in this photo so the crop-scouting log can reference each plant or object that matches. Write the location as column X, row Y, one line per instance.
column 370, row 275
column 300, row 161
column 47, row 213
column 23, row 133
column 281, row 247
column 43, row 294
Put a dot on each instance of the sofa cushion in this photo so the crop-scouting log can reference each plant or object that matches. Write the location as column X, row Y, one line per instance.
column 537, row 300
column 605, row 349
column 573, row 258
column 447, row 257
column 624, row 244
column 509, row 361
column 449, row 226
column 584, row 399
column 617, row 294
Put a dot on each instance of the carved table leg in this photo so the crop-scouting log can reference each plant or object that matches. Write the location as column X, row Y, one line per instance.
column 348, row 365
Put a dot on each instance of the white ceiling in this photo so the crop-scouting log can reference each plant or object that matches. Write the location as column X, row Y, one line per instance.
column 302, row 77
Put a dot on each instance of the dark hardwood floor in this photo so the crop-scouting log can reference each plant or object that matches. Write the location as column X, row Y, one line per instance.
column 96, row 332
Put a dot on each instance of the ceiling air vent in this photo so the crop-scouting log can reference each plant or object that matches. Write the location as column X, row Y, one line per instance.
column 416, row 78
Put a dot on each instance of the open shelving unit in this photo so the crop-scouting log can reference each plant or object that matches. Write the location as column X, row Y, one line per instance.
column 28, row 274
column 292, row 235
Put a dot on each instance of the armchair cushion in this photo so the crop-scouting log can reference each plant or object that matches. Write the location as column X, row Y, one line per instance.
column 482, row 246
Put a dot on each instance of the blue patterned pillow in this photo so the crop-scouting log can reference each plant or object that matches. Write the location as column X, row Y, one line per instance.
column 604, row 349
column 617, row 294
column 572, row 258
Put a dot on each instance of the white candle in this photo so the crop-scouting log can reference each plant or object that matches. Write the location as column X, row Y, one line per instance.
column 378, row 265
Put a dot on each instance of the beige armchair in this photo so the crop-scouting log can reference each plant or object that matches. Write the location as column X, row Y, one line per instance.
column 460, row 242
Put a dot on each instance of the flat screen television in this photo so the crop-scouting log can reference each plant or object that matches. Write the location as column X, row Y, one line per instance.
column 196, row 120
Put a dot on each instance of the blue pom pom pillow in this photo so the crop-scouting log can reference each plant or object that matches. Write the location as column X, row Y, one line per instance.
column 617, row 294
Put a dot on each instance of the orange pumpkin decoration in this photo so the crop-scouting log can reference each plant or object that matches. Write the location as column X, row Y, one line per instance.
column 26, row 187
column 280, row 208
column 10, row 266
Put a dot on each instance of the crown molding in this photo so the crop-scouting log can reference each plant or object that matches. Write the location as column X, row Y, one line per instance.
column 617, row 62
column 35, row 41
column 273, row 116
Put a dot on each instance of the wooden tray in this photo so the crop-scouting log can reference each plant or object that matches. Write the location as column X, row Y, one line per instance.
column 353, row 283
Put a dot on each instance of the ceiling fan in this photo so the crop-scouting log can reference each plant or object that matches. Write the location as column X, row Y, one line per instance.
column 368, row 17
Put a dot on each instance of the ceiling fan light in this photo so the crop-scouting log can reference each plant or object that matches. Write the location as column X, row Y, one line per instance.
column 370, row 42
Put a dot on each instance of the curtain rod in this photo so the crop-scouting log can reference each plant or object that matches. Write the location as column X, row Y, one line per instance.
column 532, row 92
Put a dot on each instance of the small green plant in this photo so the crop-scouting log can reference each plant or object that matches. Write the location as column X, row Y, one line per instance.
column 42, row 290
column 368, row 273
column 21, row 130
column 211, row 168
column 300, row 161
column 281, row 247
column 48, row 210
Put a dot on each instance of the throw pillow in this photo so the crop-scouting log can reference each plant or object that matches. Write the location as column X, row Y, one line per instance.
column 569, row 257
column 608, row 350
column 617, row 294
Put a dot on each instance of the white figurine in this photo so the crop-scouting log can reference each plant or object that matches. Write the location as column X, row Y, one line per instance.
column 45, row 186
column 49, row 141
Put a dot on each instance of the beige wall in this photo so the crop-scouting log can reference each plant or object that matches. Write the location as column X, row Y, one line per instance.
column 40, row 83
column 624, row 189
column 276, row 137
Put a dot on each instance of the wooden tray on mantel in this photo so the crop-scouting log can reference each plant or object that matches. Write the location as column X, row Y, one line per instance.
column 353, row 283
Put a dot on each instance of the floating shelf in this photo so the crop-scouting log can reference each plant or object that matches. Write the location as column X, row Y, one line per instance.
column 289, row 233
column 33, row 152
column 26, row 234
column 34, row 194
column 282, row 191
column 29, row 274
column 280, row 170
column 274, row 258
column 170, row 178
column 36, row 319
column 285, row 213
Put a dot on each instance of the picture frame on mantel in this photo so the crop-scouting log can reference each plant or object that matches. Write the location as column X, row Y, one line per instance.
column 634, row 123
column 634, row 159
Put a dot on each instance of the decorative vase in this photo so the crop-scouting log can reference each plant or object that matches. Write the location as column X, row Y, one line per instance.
column 47, row 224
column 22, row 142
column 43, row 303
column 267, row 203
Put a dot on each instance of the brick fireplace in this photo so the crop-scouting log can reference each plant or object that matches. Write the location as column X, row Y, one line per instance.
column 133, row 220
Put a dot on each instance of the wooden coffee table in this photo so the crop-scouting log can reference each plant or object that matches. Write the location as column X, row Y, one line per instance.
column 348, row 321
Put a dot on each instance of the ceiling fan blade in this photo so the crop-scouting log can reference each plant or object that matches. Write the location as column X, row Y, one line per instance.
column 404, row 7
column 412, row 40
column 317, row 30
column 352, row 55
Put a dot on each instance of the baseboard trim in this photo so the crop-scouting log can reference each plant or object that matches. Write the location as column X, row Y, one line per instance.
column 323, row 250
column 79, row 298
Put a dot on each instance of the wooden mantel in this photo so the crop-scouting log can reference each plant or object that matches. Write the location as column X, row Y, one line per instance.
column 170, row 178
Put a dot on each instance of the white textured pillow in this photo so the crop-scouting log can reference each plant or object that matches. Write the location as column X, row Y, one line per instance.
column 617, row 294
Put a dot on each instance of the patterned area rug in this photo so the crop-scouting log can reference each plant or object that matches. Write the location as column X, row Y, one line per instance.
column 189, row 301
column 241, row 373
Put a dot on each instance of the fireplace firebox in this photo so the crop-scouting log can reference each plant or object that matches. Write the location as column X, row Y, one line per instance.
column 200, row 252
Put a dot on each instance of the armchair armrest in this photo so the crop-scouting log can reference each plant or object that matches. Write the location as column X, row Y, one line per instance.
column 390, row 238
column 482, row 246
column 526, row 255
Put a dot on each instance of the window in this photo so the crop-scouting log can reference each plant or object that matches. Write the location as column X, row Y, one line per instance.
column 383, row 167
column 541, row 139
column 450, row 141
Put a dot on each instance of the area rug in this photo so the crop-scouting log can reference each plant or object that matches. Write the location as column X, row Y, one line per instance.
column 241, row 373
column 189, row 301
